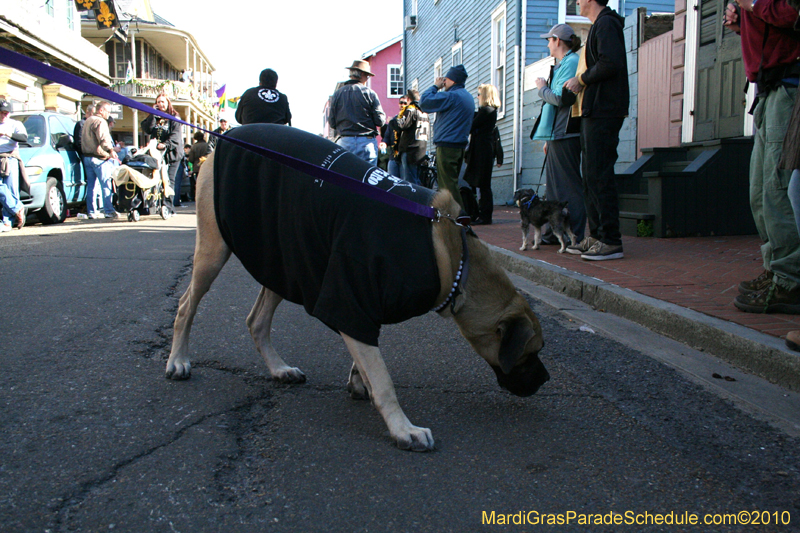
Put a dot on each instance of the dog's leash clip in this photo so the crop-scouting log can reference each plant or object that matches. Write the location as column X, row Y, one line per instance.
column 463, row 220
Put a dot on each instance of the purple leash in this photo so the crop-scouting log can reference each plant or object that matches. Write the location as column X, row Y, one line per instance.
column 37, row 68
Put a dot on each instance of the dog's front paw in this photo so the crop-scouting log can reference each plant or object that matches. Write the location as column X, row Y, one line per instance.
column 178, row 370
column 562, row 250
column 416, row 439
column 523, row 247
column 289, row 375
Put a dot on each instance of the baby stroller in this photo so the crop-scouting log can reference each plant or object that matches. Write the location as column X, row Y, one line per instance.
column 142, row 186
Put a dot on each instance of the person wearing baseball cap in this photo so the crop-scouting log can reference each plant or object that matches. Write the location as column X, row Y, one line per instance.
column 454, row 108
column 356, row 114
column 560, row 131
column 12, row 132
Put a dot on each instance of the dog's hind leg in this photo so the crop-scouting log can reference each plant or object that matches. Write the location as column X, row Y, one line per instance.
column 572, row 237
column 537, row 237
column 368, row 359
column 210, row 255
column 259, row 322
column 357, row 386
column 562, row 240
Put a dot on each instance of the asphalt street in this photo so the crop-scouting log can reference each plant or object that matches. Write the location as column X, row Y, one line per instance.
column 94, row 438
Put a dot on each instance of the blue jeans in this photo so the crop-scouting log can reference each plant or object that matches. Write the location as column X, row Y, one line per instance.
column 409, row 173
column 98, row 170
column 365, row 148
column 179, row 177
column 393, row 168
column 9, row 192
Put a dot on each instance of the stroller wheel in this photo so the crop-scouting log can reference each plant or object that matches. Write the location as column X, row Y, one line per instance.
column 134, row 216
column 165, row 212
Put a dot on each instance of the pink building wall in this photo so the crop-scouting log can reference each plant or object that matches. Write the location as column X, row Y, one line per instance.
column 379, row 62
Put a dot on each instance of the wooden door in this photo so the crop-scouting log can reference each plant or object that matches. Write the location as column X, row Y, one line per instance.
column 719, row 103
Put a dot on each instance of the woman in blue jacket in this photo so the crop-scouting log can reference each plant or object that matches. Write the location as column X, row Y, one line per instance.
column 559, row 130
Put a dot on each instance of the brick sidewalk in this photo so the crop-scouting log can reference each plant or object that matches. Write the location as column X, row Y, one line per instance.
column 698, row 273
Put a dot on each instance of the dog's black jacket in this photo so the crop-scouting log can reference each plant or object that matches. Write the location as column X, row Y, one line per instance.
column 352, row 262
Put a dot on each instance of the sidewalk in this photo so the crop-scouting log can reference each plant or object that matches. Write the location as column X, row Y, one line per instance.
column 683, row 288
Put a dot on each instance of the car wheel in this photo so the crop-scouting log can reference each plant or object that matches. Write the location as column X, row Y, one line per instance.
column 54, row 210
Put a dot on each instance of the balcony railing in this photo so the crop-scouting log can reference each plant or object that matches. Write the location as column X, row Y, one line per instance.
column 149, row 88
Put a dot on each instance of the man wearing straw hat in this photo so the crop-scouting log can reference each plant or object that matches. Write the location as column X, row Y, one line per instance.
column 356, row 114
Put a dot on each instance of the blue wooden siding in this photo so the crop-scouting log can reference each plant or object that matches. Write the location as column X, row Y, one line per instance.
column 439, row 26
column 543, row 15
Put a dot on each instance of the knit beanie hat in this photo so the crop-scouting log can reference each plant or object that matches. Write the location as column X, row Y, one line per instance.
column 457, row 74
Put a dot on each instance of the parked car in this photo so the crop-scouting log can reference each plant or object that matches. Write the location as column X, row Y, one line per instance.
column 53, row 165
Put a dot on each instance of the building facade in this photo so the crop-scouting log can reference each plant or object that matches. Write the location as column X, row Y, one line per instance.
column 157, row 57
column 50, row 32
column 495, row 40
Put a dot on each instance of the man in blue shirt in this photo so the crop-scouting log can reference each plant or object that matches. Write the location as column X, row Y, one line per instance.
column 454, row 108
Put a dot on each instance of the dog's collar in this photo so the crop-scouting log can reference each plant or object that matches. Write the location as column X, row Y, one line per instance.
column 461, row 276
column 529, row 202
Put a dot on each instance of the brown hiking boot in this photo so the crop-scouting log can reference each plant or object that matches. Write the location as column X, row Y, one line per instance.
column 793, row 340
column 773, row 299
column 763, row 281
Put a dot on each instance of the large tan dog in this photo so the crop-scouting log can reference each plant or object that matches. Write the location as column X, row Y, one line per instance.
column 489, row 312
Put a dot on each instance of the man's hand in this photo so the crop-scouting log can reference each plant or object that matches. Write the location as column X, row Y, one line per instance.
column 731, row 19
column 545, row 148
column 160, row 146
column 747, row 5
column 573, row 85
column 439, row 83
column 540, row 82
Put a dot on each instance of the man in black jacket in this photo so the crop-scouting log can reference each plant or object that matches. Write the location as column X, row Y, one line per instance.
column 356, row 114
column 605, row 105
column 264, row 104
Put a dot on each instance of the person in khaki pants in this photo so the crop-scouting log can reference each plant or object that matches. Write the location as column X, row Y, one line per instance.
column 770, row 61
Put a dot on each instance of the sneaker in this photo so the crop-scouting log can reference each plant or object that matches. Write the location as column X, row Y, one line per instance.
column 763, row 281
column 83, row 216
column 601, row 251
column 112, row 215
column 582, row 247
column 5, row 227
column 772, row 299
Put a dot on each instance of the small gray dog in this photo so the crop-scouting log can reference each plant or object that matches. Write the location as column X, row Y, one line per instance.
column 533, row 211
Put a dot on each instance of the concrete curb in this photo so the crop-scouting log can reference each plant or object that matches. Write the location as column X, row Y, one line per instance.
column 757, row 353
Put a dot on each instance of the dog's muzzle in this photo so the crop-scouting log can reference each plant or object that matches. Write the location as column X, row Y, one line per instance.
column 525, row 379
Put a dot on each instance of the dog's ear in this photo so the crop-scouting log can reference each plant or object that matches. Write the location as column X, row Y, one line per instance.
column 515, row 333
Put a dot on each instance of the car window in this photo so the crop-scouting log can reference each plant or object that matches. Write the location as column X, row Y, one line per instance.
column 34, row 125
column 57, row 130
column 68, row 123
